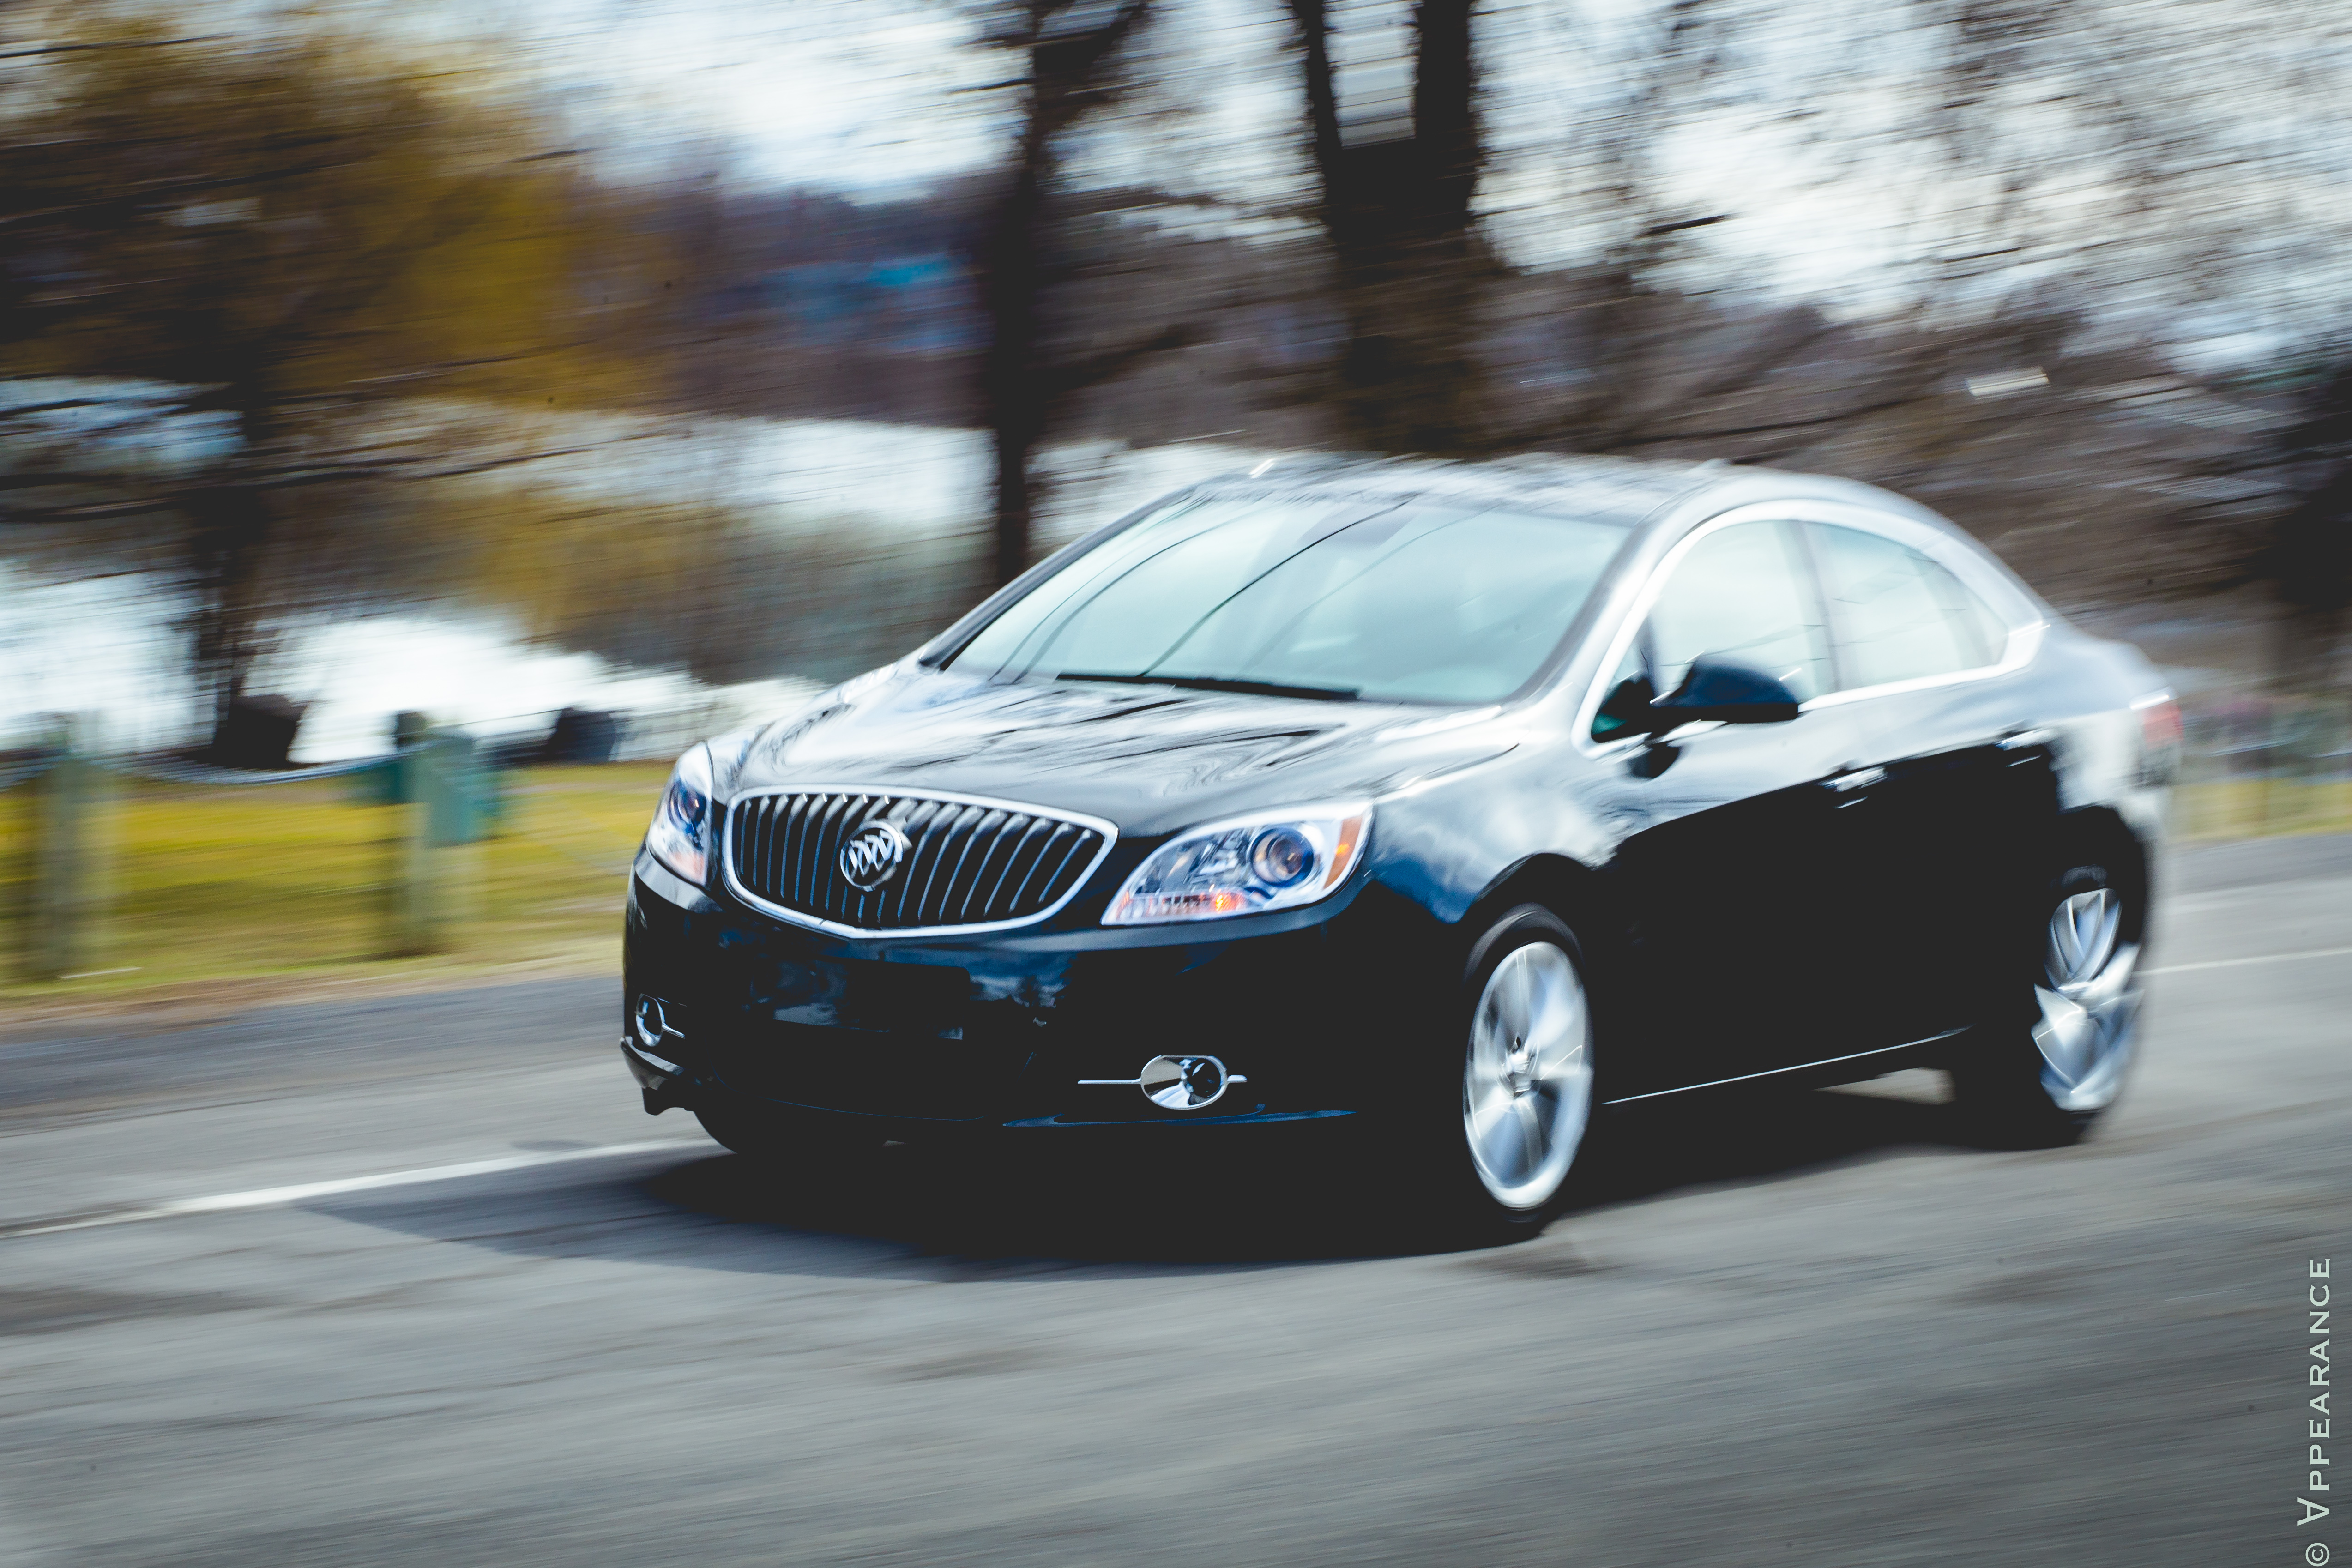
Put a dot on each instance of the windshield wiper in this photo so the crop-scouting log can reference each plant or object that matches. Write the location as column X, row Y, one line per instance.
column 1208, row 683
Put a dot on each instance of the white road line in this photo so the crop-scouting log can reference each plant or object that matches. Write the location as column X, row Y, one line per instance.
column 273, row 1197
column 2258, row 958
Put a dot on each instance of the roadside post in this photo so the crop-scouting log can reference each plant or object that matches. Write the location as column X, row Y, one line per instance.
column 442, row 804
column 413, row 911
column 67, row 885
column 2303, row 748
column 456, row 818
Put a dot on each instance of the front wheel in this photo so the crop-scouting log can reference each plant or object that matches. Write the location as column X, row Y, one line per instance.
column 1525, row 1084
column 2046, row 1081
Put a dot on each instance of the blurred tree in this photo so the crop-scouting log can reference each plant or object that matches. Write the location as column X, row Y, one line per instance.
column 771, row 590
column 1396, row 171
column 2305, row 556
column 281, row 246
column 1072, row 55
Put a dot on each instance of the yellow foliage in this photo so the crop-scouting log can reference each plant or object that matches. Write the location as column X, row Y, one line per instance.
column 562, row 564
column 299, row 224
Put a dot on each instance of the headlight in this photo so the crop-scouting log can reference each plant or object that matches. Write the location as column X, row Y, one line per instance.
column 680, row 834
column 1272, row 861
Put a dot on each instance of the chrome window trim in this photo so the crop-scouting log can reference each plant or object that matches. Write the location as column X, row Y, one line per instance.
column 834, row 928
column 2026, row 626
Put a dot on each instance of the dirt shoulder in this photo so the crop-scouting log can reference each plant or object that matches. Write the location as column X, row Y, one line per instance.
column 127, row 1007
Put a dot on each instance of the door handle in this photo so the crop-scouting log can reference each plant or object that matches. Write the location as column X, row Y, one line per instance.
column 1860, row 778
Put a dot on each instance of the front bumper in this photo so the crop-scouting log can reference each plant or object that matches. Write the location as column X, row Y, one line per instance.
column 931, row 1036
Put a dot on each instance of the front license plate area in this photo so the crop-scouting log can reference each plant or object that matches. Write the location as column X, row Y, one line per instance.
column 885, row 1040
column 874, row 997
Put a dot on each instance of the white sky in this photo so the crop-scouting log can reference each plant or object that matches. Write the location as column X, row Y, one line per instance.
column 1806, row 133
column 1809, row 141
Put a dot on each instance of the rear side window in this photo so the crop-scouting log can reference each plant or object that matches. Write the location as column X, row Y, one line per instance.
column 1899, row 616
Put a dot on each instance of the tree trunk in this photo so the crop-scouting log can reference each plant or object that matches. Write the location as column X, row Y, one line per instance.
column 1012, row 389
column 1072, row 51
column 2309, row 557
column 2307, row 658
column 1396, row 210
column 226, row 570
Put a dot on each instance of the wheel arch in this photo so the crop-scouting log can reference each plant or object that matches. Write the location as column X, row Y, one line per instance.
column 1577, row 893
column 2103, row 831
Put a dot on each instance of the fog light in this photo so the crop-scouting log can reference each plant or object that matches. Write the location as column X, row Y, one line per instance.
column 652, row 1029
column 1175, row 1083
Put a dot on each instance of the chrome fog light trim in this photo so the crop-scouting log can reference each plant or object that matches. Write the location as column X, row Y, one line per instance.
column 649, row 1029
column 1176, row 1083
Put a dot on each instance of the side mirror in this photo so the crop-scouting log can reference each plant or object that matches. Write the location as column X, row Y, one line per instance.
column 1726, row 692
column 1626, row 711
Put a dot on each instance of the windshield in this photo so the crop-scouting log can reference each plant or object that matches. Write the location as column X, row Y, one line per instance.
column 1381, row 599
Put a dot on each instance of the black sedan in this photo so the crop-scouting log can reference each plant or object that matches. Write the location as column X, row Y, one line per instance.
column 1452, row 805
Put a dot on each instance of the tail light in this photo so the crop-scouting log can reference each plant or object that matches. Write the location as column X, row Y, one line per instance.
column 2159, row 738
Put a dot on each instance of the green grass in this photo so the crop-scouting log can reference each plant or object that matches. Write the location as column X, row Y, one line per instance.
column 2260, row 808
column 284, row 883
column 211, row 884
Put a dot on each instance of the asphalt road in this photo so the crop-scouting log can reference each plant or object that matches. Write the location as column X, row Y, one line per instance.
column 1803, row 1328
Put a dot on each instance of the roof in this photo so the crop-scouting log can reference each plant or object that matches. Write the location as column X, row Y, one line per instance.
column 1619, row 489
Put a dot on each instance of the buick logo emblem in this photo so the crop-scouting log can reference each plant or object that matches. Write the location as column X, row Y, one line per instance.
column 872, row 856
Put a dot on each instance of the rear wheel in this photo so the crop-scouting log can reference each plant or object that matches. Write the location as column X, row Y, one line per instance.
column 2052, row 1064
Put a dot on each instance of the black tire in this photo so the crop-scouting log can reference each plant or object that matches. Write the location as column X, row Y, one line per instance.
column 2010, row 1092
column 1460, row 1193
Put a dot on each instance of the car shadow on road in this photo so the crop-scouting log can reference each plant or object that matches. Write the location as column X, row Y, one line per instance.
column 945, row 1214
column 1758, row 1134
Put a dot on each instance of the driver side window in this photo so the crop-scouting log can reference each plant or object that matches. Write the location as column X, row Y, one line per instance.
column 1745, row 593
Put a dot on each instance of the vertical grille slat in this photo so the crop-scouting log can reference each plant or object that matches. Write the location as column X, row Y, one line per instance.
column 824, row 849
column 1052, row 856
column 796, row 862
column 923, row 863
column 805, row 811
column 939, row 885
column 764, row 838
column 966, row 863
column 1011, row 845
column 1020, row 867
column 922, row 829
column 960, row 886
column 1057, row 852
column 988, row 873
column 826, row 889
column 783, row 814
column 741, row 819
column 838, row 894
column 1067, row 871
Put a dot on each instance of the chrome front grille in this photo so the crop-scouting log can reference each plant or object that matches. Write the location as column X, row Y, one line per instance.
column 968, row 863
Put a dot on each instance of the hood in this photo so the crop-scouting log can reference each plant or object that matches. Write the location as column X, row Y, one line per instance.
column 1152, row 759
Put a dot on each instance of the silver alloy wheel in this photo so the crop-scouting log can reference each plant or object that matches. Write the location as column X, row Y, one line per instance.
column 1527, row 1077
column 2089, row 1005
